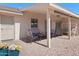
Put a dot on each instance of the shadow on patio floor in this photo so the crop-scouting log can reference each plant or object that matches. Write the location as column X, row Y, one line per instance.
column 37, row 41
column 41, row 44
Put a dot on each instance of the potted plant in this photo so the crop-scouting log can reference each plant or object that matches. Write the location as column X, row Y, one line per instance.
column 3, row 49
column 14, row 50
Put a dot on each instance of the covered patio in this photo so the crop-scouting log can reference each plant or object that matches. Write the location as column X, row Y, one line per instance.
column 54, row 13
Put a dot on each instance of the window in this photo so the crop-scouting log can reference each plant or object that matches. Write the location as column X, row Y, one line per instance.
column 34, row 23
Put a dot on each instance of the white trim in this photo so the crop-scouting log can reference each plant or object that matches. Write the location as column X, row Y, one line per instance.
column 0, row 28
column 69, row 21
column 48, row 29
column 10, row 12
column 60, row 8
column 17, row 31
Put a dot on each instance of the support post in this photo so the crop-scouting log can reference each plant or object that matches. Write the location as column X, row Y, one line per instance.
column 0, row 28
column 75, row 30
column 69, row 21
column 48, row 29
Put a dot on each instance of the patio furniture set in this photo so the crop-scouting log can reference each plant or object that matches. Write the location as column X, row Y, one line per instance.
column 36, row 34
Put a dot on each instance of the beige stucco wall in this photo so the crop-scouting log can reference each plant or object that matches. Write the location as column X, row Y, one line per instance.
column 25, row 23
column 78, row 27
column 75, row 22
column 53, row 23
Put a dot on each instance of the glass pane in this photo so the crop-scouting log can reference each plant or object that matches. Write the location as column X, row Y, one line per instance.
column 34, row 22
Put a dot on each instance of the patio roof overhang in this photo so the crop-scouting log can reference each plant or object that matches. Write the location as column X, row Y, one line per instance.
column 63, row 11
column 42, row 8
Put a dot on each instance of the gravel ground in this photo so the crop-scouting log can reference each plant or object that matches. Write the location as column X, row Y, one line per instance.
column 61, row 46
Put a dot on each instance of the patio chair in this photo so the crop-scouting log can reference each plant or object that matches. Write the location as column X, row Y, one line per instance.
column 52, row 33
column 35, row 34
column 41, row 35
